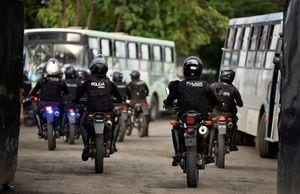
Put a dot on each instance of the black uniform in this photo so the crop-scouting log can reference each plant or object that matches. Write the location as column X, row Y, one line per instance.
column 138, row 91
column 73, row 87
column 51, row 89
column 100, row 91
column 123, row 90
column 191, row 95
column 229, row 97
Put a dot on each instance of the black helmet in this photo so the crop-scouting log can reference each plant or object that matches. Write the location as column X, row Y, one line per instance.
column 192, row 67
column 70, row 72
column 82, row 74
column 227, row 76
column 98, row 66
column 117, row 76
column 135, row 75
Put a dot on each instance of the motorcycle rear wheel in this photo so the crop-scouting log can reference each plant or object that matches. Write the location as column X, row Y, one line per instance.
column 122, row 125
column 192, row 171
column 51, row 137
column 220, row 160
column 142, row 126
column 71, row 133
column 99, row 154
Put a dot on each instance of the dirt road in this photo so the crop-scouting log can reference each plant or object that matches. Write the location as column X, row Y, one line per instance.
column 142, row 165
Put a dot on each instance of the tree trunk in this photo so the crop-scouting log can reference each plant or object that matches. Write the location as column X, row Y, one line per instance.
column 90, row 15
column 11, row 54
column 288, row 180
column 63, row 13
column 76, row 5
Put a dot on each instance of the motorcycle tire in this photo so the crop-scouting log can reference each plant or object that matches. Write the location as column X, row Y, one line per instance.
column 220, row 157
column 142, row 126
column 51, row 137
column 192, row 171
column 122, row 125
column 99, row 153
column 71, row 136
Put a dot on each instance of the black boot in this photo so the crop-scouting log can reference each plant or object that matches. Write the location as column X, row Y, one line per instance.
column 8, row 188
column 85, row 153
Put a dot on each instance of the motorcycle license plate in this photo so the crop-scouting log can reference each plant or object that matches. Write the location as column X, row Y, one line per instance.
column 222, row 129
column 190, row 141
column 99, row 128
column 124, row 115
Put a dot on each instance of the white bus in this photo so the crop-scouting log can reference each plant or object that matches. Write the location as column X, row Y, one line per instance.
column 249, row 50
column 154, row 58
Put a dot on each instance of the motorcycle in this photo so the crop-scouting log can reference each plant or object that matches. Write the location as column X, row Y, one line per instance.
column 50, row 123
column 192, row 130
column 223, row 128
column 140, row 119
column 123, row 120
column 100, row 145
column 28, row 108
column 72, row 125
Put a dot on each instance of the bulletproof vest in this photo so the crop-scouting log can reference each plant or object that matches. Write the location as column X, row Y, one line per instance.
column 122, row 88
column 138, row 90
column 225, row 94
column 193, row 96
column 51, row 89
column 72, row 85
column 99, row 95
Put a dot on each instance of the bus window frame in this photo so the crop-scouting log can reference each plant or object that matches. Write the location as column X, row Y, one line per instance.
column 136, row 50
column 271, row 37
column 141, row 52
column 115, row 49
column 153, row 55
column 172, row 54
column 109, row 47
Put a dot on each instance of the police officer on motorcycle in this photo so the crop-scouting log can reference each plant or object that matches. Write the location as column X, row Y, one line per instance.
column 72, row 83
column 117, row 78
column 190, row 94
column 139, row 91
column 100, row 91
column 51, row 89
column 230, row 97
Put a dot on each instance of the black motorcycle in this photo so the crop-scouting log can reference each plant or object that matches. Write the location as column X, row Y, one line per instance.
column 29, row 106
column 123, row 120
column 192, row 130
column 222, row 130
column 140, row 119
column 72, row 124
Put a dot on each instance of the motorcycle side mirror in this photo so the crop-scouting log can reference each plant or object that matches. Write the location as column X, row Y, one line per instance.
column 167, row 91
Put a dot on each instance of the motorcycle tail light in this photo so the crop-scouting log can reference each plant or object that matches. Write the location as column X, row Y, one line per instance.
column 35, row 98
column 222, row 118
column 49, row 109
column 71, row 110
column 190, row 120
column 125, row 108
column 145, row 103
column 208, row 123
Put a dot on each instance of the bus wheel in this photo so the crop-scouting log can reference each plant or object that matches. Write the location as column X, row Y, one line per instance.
column 154, row 109
column 265, row 149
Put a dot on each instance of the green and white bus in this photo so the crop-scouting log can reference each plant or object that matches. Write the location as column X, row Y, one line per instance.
column 249, row 50
column 154, row 58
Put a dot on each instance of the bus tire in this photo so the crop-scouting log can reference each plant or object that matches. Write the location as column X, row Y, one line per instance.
column 154, row 113
column 265, row 149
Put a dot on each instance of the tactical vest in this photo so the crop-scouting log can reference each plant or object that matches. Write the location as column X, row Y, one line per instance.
column 122, row 88
column 138, row 90
column 193, row 96
column 51, row 90
column 225, row 94
column 99, row 95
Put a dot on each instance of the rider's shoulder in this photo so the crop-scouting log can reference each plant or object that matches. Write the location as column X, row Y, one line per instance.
column 173, row 84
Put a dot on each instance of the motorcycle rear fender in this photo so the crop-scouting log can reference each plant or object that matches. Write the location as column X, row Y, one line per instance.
column 99, row 127
column 71, row 118
column 190, row 139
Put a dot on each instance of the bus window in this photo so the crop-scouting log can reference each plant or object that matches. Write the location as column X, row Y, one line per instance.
column 145, row 52
column 239, row 38
column 274, row 34
column 168, row 55
column 231, row 38
column 260, row 56
column 243, row 52
column 105, row 47
column 264, row 38
column 275, row 37
column 226, row 59
column 156, row 53
column 132, row 50
column 93, row 44
column 120, row 53
column 252, row 46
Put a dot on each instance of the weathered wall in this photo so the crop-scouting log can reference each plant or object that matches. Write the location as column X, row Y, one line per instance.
column 289, row 139
column 11, row 51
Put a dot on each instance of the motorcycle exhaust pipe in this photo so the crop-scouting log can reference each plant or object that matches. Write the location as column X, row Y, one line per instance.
column 108, row 123
column 203, row 130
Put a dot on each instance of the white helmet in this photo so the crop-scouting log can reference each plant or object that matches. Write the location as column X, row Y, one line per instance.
column 52, row 67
